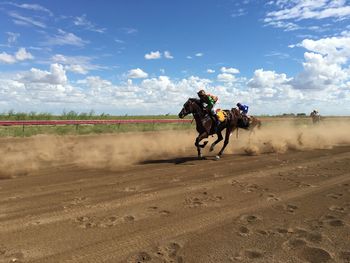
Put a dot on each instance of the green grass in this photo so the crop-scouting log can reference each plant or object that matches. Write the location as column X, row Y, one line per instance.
column 26, row 131
column 19, row 131
column 72, row 115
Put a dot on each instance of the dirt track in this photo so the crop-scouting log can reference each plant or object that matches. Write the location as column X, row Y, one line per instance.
column 291, row 207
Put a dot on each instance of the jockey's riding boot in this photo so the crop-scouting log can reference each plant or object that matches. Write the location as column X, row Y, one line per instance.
column 217, row 123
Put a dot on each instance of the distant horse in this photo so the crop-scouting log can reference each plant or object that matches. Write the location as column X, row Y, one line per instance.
column 206, row 126
column 315, row 116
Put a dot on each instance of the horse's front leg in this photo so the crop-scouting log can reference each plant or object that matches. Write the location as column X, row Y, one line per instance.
column 219, row 139
column 198, row 139
column 227, row 139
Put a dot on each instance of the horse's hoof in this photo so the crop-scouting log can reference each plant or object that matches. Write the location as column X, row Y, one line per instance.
column 217, row 157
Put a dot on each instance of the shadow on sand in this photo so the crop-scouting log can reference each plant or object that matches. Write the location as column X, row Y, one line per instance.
column 179, row 160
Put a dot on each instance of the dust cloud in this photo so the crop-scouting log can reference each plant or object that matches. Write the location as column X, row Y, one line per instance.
column 280, row 137
column 22, row 156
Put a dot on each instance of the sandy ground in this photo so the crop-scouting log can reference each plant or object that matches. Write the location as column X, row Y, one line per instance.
column 281, row 198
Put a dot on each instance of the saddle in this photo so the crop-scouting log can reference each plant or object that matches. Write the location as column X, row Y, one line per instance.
column 222, row 115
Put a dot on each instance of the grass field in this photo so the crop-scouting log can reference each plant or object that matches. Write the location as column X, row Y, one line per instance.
column 26, row 131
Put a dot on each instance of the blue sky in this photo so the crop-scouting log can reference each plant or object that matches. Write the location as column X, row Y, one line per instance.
column 148, row 57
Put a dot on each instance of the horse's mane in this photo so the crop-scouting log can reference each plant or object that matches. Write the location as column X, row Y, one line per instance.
column 194, row 100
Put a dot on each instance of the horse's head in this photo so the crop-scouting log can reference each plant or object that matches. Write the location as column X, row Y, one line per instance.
column 189, row 107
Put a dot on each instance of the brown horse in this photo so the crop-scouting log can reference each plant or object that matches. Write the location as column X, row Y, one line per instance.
column 250, row 124
column 206, row 126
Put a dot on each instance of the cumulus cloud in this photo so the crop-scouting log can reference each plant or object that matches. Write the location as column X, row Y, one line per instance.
column 153, row 55
column 210, row 71
column 226, row 77
column 7, row 58
column 76, row 64
column 56, row 75
column 199, row 54
column 229, row 70
column 21, row 55
column 325, row 63
column 137, row 74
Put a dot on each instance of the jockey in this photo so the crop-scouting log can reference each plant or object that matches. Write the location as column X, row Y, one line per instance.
column 243, row 109
column 209, row 100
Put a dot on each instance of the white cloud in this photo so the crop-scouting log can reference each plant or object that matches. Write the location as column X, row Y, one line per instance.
column 65, row 38
column 34, row 7
column 226, row 77
column 129, row 30
column 210, row 71
column 57, row 75
column 168, row 55
column 189, row 57
column 12, row 38
column 79, row 69
column 199, row 54
column 239, row 12
column 7, row 58
column 76, row 64
column 137, row 74
column 306, row 9
column 229, row 70
column 153, row 55
column 25, row 21
column 325, row 63
column 20, row 55
column 85, row 23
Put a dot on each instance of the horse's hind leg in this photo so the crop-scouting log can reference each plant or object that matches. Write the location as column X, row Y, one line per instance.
column 219, row 139
column 198, row 139
column 227, row 139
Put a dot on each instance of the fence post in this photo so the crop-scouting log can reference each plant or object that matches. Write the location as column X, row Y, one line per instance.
column 23, row 130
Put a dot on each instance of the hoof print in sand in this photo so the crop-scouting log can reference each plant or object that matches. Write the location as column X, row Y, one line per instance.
column 345, row 256
column 308, row 253
column 332, row 221
column 311, row 236
column 272, row 197
column 314, row 255
column 338, row 209
column 334, row 195
column 249, row 254
column 85, row 222
column 204, row 199
column 139, row 257
column 243, row 231
column 108, row 222
column 169, row 253
column 250, row 218
column 129, row 218
column 155, row 209
column 290, row 208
